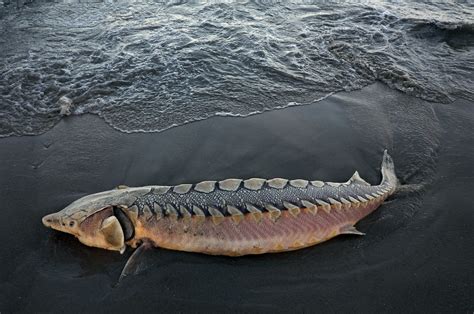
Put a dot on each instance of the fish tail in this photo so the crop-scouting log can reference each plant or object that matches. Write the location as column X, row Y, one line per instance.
column 388, row 171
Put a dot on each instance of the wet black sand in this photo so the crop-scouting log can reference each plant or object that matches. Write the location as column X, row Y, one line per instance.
column 417, row 255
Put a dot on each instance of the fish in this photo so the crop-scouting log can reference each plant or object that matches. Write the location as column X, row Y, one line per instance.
column 231, row 217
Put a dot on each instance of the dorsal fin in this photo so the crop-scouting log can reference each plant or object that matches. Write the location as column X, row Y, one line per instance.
column 357, row 179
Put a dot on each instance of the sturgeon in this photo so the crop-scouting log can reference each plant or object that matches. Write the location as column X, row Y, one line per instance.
column 231, row 217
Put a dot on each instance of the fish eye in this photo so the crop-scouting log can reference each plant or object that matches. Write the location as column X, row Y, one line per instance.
column 71, row 224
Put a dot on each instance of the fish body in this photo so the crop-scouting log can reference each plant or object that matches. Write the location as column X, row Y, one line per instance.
column 230, row 217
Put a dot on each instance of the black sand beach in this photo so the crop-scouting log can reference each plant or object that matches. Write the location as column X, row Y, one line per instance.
column 417, row 254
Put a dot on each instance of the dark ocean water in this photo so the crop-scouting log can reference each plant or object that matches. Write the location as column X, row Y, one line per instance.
column 148, row 66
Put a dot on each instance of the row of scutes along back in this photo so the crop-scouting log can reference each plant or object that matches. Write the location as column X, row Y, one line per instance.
column 253, row 184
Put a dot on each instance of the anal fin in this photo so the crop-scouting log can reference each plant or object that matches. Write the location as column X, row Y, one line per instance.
column 350, row 230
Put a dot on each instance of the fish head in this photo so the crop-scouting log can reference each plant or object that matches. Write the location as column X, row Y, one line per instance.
column 98, row 220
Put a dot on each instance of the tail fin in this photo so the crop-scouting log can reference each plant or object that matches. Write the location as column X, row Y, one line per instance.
column 388, row 171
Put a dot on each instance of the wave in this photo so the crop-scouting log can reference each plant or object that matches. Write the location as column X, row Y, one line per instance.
column 148, row 67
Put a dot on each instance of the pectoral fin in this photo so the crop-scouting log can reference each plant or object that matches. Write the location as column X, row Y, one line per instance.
column 134, row 263
column 113, row 234
column 350, row 230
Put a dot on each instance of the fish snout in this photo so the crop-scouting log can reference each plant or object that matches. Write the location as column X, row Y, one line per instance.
column 58, row 222
column 51, row 220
